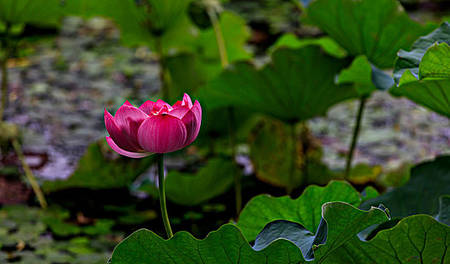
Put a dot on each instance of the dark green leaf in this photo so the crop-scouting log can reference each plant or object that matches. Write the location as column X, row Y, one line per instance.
column 305, row 210
column 431, row 93
column 423, row 74
column 289, row 40
column 209, row 181
column 360, row 74
column 226, row 245
column 363, row 174
column 376, row 29
column 298, row 84
column 142, row 22
column 342, row 222
column 190, row 71
column 435, row 62
column 415, row 239
column 280, row 161
column 235, row 35
column 420, row 195
column 46, row 12
column 410, row 60
column 419, row 238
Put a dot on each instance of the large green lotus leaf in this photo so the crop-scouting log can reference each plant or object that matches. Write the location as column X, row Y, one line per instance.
column 189, row 71
column 141, row 22
column 410, row 60
column 431, row 93
column 290, row 40
column 280, row 161
column 296, row 85
column 208, row 182
column 130, row 19
column 376, row 29
column 423, row 74
column 435, row 62
column 338, row 231
column 193, row 188
column 226, row 245
column 415, row 239
column 33, row 12
column 420, row 195
column 365, row 76
column 305, row 210
column 95, row 171
column 235, row 34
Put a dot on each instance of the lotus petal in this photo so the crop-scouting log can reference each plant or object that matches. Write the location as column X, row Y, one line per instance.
column 162, row 134
column 123, row 152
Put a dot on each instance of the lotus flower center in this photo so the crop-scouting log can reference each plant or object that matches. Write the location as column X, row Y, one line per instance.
column 162, row 111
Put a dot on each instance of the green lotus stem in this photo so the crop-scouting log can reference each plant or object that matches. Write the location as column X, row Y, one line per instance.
column 29, row 174
column 4, row 71
column 290, row 186
column 219, row 37
column 231, row 114
column 163, row 74
column 162, row 195
column 237, row 175
column 362, row 103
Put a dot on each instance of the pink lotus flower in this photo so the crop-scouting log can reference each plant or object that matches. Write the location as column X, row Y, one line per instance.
column 154, row 127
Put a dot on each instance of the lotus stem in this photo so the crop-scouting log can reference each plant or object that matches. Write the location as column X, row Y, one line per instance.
column 362, row 103
column 237, row 175
column 231, row 114
column 29, row 174
column 219, row 36
column 162, row 195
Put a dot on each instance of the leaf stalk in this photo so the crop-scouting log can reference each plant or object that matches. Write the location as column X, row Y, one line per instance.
column 29, row 174
column 356, row 130
column 231, row 113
